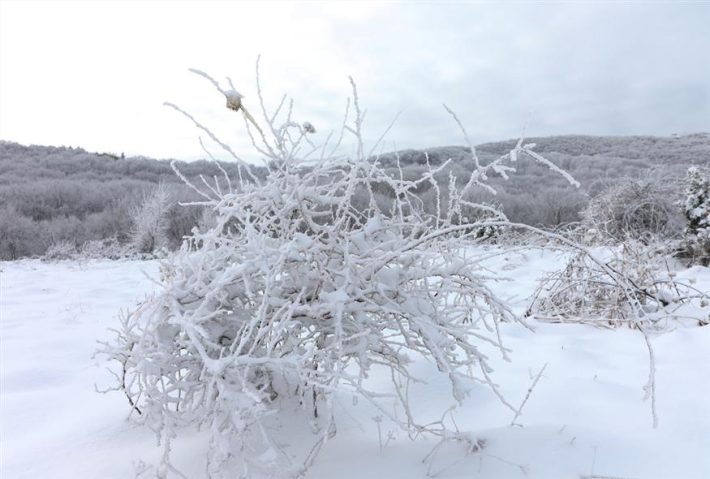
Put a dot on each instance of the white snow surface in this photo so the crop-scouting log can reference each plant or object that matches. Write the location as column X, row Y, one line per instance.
column 585, row 418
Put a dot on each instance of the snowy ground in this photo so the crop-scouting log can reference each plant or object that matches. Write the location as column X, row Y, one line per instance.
column 585, row 418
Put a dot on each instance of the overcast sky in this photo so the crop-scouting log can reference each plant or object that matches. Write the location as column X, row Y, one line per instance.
column 95, row 74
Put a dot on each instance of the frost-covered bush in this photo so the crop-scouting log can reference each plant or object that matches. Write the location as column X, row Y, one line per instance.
column 61, row 250
column 696, row 209
column 150, row 221
column 632, row 284
column 637, row 209
column 110, row 248
column 301, row 286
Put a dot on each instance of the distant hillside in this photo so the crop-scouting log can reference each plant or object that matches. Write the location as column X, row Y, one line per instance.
column 532, row 195
column 50, row 194
column 627, row 152
column 693, row 148
column 21, row 164
column 54, row 194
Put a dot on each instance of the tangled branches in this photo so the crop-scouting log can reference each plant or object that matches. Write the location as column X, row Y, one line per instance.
column 633, row 285
column 637, row 209
column 303, row 287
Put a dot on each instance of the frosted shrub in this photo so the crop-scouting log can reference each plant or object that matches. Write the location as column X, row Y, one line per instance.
column 636, row 209
column 150, row 221
column 632, row 285
column 60, row 250
column 109, row 248
column 302, row 286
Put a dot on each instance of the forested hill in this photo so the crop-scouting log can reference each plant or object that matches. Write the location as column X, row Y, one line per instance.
column 533, row 195
column 51, row 194
column 22, row 164
column 626, row 154
column 624, row 151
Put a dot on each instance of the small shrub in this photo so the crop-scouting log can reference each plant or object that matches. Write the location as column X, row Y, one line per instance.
column 637, row 209
column 61, row 250
column 632, row 284
column 302, row 287
column 150, row 221
column 110, row 248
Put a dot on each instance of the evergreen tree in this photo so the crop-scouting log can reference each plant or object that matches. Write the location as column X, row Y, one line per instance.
column 697, row 214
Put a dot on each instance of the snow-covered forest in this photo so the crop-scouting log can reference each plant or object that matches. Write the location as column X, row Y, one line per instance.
column 68, row 197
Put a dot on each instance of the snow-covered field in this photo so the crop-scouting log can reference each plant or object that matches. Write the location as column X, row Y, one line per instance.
column 585, row 418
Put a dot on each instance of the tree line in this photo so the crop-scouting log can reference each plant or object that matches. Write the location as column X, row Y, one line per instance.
column 63, row 195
